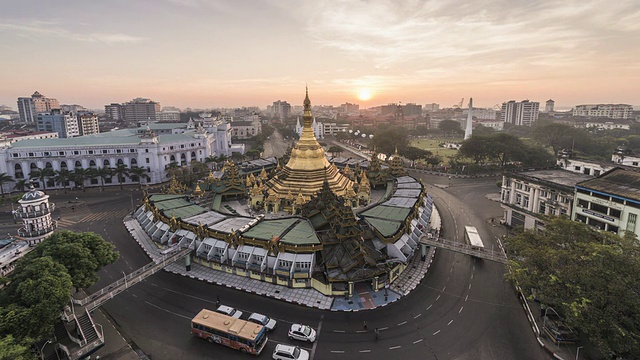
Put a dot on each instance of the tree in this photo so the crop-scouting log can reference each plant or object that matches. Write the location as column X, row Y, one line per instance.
column 505, row 148
column 4, row 178
column 483, row 130
column 477, row 147
column 590, row 277
column 42, row 175
column 121, row 171
column 62, row 177
column 21, row 185
column 79, row 176
column 138, row 172
column 11, row 349
column 413, row 153
column 34, row 299
column 102, row 173
column 449, row 126
column 556, row 135
column 388, row 138
column 82, row 254
column 335, row 150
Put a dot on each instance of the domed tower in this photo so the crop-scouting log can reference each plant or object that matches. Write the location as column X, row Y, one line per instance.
column 308, row 167
column 35, row 213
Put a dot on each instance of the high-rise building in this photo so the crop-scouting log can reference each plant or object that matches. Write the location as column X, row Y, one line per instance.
column 168, row 114
column 140, row 110
column 432, row 107
column 523, row 113
column 88, row 123
column 29, row 107
column 114, row 112
column 65, row 124
column 613, row 111
column 75, row 108
column 348, row 108
column 281, row 109
column 548, row 106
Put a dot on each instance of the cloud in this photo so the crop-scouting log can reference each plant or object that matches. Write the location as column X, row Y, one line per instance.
column 37, row 29
column 478, row 35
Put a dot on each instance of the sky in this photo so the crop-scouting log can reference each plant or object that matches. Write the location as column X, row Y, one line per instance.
column 210, row 53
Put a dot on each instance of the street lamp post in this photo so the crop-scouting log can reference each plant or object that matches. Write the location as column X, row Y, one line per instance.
column 42, row 348
column 578, row 352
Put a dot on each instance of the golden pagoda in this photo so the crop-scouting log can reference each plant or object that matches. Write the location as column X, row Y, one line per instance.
column 308, row 167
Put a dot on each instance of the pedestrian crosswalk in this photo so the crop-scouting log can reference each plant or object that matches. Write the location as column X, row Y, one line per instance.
column 106, row 216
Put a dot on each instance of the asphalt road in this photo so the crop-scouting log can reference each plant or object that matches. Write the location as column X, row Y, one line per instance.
column 461, row 310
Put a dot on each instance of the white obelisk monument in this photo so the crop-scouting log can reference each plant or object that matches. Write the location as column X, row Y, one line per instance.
column 469, row 128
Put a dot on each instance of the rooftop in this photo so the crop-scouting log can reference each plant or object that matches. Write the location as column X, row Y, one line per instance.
column 621, row 182
column 555, row 176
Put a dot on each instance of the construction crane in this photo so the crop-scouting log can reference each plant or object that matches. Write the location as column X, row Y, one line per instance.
column 458, row 106
column 497, row 107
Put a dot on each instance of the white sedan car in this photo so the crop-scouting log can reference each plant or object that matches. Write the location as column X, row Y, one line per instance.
column 227, row 310
column 263, row 320
column 302, row 332
column 288, row 352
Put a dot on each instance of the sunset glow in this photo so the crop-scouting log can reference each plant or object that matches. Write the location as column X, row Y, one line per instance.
column 380, row 51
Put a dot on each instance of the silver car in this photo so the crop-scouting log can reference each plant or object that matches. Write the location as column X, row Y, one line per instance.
column 227, row 310
column 263, row 320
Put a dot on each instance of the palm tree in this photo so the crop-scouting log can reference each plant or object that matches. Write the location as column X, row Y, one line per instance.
column 121, row 170
column 62, row 177
column 4, row 178
column 102, row 173
column 138, row 172
column 42, row 175
column 79, row 175
column 21, row 185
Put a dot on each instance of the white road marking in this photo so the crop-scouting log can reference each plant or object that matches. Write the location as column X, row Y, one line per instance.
column 471, row 276
column 436, row 333
column 154, row 284
column 383, row 328
column 444, row 288
column 449, row 323
column 460, row 310
column 402, row 323
column 438, row 298
column 134, row 295
column 417, row 316
column 358, row 331
column 339, row 331
column 469, row 286
column 315, row 343
column 394, row 347
column 466, row 297
column 337, row 351
column 170, row 312
column 429, row 306
column 417, row 341
column 364, row 351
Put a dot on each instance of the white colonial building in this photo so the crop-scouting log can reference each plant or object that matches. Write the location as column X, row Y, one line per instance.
column 318, row 128
column 527, row 197
column 153, row 147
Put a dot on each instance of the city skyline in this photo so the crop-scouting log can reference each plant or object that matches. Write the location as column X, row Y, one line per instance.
column 206, row 54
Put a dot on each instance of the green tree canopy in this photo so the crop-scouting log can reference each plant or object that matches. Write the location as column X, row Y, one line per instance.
column 82, row 254
column 590, row 277
column 449, row 126
column 387, row 138
column 10, row 349
column 414, row 153
column 34, row 299
column 556, row 135
column 335, row 150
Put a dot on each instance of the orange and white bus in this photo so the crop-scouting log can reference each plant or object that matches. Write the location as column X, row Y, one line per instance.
column 235, row 333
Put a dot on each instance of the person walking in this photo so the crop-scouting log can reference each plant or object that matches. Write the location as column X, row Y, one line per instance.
column 217, row 300
column 366, row 328
column 377, row 333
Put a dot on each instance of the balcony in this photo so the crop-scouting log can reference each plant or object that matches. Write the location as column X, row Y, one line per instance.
column 21, row 214
column 24, row 232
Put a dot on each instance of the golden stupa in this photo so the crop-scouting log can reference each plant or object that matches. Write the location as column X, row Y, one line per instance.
column 308, row 167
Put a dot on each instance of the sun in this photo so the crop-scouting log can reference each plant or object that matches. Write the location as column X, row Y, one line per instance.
column 364, row 94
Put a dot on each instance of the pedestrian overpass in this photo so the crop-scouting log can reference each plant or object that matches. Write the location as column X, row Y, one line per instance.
column 77, row 335
column 464, row 248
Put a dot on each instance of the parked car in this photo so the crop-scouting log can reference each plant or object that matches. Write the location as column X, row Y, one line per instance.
column 288, row 352
column 263, row 320
column 227, row 310
column 302, row 332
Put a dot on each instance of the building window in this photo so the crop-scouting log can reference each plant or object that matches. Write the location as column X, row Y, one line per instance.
column 581, row 218
column 30, row 154
column 576, row 168
column 599, row 208
column 519, row 186
column 90, row 152
column 635, row 163
column 631, row 222
column 615, row 213
column 542, row 208
column 147, row 160
column 583, row 203
column 525, row 202
column 76, row 152
column 596, row 172
column 518, row 199
column 527, row 188
column 612, row 228
column 543, row 193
